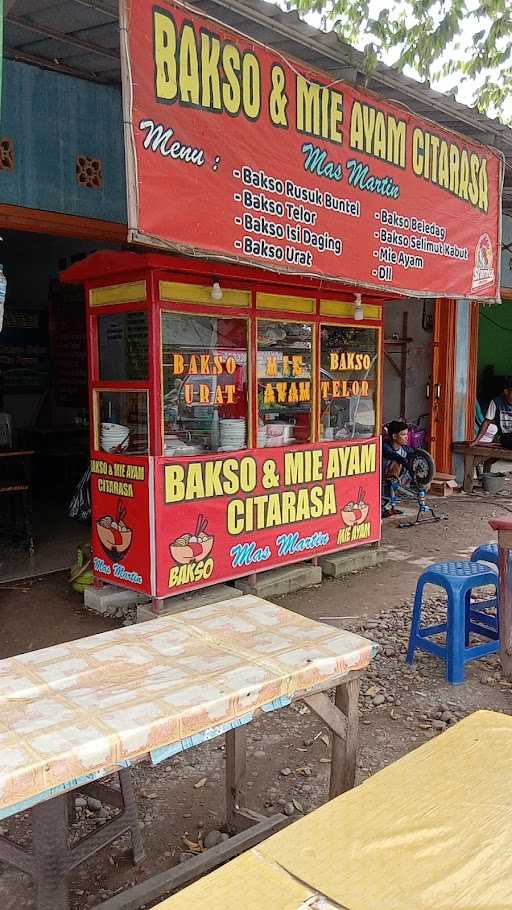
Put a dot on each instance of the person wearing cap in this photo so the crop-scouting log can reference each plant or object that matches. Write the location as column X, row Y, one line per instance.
column 499, row 414
column 395, row 452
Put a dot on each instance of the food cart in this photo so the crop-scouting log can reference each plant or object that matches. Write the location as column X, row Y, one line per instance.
column 235, row 419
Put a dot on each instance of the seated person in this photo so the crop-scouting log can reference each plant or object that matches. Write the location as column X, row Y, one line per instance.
column 499, row 414
column 394, row 459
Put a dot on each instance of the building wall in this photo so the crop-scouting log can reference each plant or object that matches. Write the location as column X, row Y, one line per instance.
column 495, row 328
column 506, row 255
column 419, row 360
column 51, row 119
column 462, row 346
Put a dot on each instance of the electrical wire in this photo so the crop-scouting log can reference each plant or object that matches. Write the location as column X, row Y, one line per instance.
column 503, row 328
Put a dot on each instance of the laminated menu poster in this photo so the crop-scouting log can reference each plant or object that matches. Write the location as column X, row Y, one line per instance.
column 230, row 515
column 237, row 152
column 68, row 346
column 24, row 352
column 120, row 500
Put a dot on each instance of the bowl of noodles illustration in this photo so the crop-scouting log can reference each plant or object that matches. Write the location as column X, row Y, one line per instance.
column 355, row 512
column 115, row 537
column 193, row 547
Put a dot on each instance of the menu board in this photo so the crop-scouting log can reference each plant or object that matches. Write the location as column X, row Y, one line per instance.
column 24, row 355
column 68, row 346
column 123, row 346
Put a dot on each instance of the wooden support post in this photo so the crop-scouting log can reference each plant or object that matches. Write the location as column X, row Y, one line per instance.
column 504, row 528
column 235, row 773
column 403, row 366
column 505, row 604
column 469, row 470
column 344, row 751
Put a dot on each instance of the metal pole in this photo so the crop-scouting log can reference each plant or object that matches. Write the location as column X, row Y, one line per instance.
column 504, row 529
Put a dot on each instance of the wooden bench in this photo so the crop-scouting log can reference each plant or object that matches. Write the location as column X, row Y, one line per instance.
column 473, row 455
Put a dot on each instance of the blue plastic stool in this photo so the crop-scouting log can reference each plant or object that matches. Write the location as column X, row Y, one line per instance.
column 458, row 579
column 487, row 552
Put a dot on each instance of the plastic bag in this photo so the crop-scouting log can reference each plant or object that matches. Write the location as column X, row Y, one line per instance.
column 80, row 505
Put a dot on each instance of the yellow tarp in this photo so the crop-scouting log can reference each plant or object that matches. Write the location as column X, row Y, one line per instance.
column 247, row 883
column 432, row 831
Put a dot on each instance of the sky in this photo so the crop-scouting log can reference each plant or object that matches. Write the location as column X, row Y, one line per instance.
column 464, row 91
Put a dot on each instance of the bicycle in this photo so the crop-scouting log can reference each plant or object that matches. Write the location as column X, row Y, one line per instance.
column 412, row 485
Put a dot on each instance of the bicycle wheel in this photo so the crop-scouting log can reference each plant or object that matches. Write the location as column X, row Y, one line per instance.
column 421, row 468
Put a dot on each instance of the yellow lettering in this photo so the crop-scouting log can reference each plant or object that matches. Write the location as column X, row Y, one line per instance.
column 174, row 476
column 165, row 56
column 231, row 87
column 235, row 517
column 464, row 175
column 368, row 457
column 297, row 365
column 418, row 151
column 483, row 186
column 271, row 366
column 251, row 86
column 210, row 58
column 178, row 364
column 268, row 395
column 189, row 67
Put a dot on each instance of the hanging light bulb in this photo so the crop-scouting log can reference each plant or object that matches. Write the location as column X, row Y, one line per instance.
column 216, row 291
column 358, row 308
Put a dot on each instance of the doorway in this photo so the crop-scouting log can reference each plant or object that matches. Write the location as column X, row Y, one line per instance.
column 440, row 391
column 43, row 400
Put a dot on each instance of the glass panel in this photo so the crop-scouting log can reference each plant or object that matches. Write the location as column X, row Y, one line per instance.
column 123, row 344
column 348, row 381
column 204, row 384
column 123, row 422
column 284, row 383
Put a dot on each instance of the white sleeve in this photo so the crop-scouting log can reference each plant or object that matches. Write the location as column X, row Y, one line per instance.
column 491, row 412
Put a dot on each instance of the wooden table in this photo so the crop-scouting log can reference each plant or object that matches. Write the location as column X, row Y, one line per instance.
column 431, row 831
column 473, row 455
column 74, row 713
column 19, row 485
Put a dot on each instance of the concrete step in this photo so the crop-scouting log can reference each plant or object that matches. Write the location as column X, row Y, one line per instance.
column 346, row 562
column 281, row 581
column 181, row 603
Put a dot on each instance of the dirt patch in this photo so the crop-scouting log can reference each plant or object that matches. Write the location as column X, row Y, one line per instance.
column 288, row 762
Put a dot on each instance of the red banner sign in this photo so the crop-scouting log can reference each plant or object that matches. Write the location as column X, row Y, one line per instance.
column 233, row 151
column 251, row 511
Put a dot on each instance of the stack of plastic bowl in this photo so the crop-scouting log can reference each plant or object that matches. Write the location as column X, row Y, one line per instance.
column 114, row 437
column 232, row 434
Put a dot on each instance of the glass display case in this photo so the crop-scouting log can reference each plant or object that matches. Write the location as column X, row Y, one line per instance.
column 204, row 383
column 234, row 423
column 285, row 389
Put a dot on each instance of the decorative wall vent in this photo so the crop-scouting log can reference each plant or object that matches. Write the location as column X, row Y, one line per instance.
column 6, row 155
column 88, row 171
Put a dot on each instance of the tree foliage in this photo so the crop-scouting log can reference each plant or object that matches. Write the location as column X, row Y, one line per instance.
column 469, row 41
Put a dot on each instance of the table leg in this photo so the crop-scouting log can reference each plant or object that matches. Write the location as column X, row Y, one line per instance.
column 51, row 853
column 130, row 812
column 26, row 502
column 235, row 772
column 344, row 750
column 469, row 468
column 505, row 609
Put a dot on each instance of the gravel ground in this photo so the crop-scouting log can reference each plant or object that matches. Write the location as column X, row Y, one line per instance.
column 180, row 801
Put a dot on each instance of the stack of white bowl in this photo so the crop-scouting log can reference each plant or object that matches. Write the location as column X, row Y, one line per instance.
column 232, row 434
column 114, row 436
column 262, row 437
